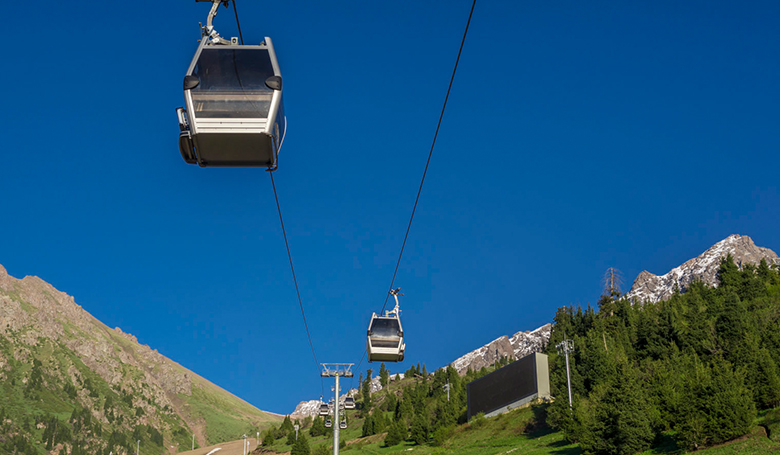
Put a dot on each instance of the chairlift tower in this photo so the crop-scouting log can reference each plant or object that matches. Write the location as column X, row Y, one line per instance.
column 565, row 347
column 336, row 370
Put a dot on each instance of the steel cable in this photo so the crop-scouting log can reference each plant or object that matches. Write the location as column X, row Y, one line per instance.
column 427, row 163
column 286, row 243
column 295, row 280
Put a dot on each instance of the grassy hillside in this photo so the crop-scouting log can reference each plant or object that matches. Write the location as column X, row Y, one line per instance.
column 518, row 431
column 70, row 385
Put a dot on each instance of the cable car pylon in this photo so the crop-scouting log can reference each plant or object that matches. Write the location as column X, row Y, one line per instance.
column 336, row 370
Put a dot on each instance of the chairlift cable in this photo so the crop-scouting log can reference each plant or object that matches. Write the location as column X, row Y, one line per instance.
column 295, row 280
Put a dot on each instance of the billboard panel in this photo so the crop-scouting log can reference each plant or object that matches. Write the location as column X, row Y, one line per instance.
column 510, row 384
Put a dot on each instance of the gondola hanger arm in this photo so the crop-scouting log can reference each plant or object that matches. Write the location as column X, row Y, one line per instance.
column 396, row 310
column 209, row 30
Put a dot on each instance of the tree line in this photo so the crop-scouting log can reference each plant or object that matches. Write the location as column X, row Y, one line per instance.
column 698, row 366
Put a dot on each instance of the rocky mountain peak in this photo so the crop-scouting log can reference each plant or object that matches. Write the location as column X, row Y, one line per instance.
column 519, row 345
column 77, row 350
column 652, row 288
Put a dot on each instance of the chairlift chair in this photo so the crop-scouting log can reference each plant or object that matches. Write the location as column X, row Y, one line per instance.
column 385, row 336
column 234, row 114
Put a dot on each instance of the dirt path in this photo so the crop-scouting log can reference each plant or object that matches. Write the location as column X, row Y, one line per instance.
column 226, row 448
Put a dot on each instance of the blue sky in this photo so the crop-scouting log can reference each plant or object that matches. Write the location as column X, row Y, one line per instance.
column 579, row 136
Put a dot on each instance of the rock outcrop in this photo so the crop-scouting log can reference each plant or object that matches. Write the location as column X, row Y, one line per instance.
column 519, row 345
column 36, row 318
column 652, row 288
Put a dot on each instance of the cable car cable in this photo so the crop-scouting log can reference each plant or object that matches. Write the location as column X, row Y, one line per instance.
column 427, row 163
column 430, row 154
column 238, row 24
column 295, row 280
column 284, row 233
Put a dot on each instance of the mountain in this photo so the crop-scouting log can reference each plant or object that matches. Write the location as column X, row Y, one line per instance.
column 519, row 345
column 98, row 387
column 648, row 287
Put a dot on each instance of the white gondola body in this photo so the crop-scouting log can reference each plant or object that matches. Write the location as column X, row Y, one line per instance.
column 349, row 403
column 385, row 340
column 233, row 116
column 324, row 409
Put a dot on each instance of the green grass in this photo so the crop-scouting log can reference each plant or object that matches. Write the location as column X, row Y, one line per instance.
column 15, row 296
column 226, row 416
column 522, row 431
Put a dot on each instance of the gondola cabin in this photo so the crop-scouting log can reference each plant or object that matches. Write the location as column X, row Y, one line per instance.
column 349, row 403
column 385, row 340
column 234, row 114
column 328, row 423
column 324, row 409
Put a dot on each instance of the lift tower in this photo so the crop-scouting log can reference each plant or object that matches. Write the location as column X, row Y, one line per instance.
column 336, row 370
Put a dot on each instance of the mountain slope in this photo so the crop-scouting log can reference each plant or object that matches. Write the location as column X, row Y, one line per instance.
column 519, row 345
column 57, row 360
column 653, row 288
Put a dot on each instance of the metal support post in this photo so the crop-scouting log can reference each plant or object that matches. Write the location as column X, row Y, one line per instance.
column 336, row 370
column 565, row 347
column 336, row 420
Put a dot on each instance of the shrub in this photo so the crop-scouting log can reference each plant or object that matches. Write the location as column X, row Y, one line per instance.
column 478, row 420
column 441, row 435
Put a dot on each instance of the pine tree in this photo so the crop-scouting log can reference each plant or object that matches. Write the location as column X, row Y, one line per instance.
column 301, row 446
column 617, row 418
column 317, row 427
column 268, row 438
column 766, row 381
column 368, row 426
column 286, row 425
column 366, row 392
column 395, row 434
column 384, row 375
column 419, row 430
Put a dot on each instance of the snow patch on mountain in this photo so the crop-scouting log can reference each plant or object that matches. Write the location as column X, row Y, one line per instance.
column 519, row 345
column 652, row 288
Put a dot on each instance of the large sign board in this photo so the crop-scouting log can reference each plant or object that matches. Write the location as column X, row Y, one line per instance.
column 509, row 387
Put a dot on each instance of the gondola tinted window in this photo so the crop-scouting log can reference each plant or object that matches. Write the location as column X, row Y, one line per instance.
column 385, row 328
column 232, row 83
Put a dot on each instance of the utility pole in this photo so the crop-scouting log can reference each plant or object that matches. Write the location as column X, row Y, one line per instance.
column 297, row 427
column 244, row 444
column 137, row 446
column 447, row 388
column 565, row 347
column 336, row 370
column 193, row 441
